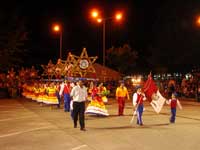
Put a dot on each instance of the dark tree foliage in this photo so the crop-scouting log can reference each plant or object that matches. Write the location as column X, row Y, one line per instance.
column 122, row 59
column 175, row 42
column 12, row 39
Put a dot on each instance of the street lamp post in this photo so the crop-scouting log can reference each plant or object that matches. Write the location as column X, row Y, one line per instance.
column 57, row 28
column 95, row 14
column 60, row 44
column 104, row 42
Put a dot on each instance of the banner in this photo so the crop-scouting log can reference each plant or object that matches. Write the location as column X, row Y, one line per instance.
column 153, row 95
column 157, row 101
column 70, row 79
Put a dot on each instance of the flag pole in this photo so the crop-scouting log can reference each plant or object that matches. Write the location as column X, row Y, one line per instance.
column 133, row 117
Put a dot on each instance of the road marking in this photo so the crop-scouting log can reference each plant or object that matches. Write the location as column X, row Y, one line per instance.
column 8, row 119
column 79, row 147
column 16, row 133
column 11, row 106
column 6, row 111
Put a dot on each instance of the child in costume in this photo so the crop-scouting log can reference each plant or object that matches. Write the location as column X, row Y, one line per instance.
column 138, row 98
column 173, row 102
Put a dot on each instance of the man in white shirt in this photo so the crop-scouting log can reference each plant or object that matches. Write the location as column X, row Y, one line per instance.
column 79, row 96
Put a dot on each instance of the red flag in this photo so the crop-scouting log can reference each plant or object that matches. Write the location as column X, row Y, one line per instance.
column 153, row 95
column 149, row 87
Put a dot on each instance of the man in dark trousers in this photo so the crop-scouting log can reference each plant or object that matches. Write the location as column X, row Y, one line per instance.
column 79, row 96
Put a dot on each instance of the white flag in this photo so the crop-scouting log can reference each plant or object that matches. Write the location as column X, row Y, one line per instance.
column 157, row 101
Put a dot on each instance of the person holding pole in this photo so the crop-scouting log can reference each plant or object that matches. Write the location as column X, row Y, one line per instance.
column 138, row 98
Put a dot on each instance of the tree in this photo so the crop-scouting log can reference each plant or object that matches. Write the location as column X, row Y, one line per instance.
column 122, row 59
column 12, row 39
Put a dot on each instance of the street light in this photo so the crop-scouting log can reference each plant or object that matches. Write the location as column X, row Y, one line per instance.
column 57, row 28
column 198, row 21
column 99, row 19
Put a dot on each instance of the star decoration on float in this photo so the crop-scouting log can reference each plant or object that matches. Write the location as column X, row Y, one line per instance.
column 84, row 63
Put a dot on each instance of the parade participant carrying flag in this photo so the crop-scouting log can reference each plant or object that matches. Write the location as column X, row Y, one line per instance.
column 153, row 95
column 138, row 98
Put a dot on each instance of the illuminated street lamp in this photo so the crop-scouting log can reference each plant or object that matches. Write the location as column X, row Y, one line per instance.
column 57, row 28
column 99, row 19
column 198, row 21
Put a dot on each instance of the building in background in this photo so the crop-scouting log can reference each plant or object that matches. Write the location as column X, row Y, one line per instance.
column 104, row 73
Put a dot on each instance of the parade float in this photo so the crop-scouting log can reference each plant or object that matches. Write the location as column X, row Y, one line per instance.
column 73, row 68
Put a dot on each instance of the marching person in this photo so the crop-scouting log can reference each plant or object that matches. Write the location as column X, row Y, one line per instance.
column 138, row 98
column 57, row 94
column 71, row 103
column 96, row 105
column 65, row 90
column 173, row 102
column 79, row 96
column 121, row 95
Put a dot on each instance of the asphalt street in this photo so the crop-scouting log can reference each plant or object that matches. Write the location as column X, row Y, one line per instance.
column 26, row 125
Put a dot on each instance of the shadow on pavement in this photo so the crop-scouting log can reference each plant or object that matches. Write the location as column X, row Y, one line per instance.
column 131, row 126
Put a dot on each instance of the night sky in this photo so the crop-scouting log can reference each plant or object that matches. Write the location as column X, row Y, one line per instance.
column 165, row 30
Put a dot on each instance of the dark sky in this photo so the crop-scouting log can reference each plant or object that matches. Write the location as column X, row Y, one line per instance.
column 164, row 28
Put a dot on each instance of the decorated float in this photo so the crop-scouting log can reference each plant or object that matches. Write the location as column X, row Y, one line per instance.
column 72, row 68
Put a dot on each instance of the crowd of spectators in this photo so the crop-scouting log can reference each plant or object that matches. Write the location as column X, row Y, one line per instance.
column 188, row 88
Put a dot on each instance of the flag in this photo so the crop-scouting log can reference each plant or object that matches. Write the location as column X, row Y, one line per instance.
column 153, row 95
column 157, row 101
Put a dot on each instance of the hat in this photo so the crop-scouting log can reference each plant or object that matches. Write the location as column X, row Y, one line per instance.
column 138, row 87
column 66, row 80
column 121, row 81
column 175, row 94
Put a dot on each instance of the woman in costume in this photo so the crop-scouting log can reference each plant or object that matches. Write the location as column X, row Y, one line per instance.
column 97, row 106
column 51, row 98
column 42, row 93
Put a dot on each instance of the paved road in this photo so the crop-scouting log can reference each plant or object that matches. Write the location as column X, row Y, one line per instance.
column 25, row 125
